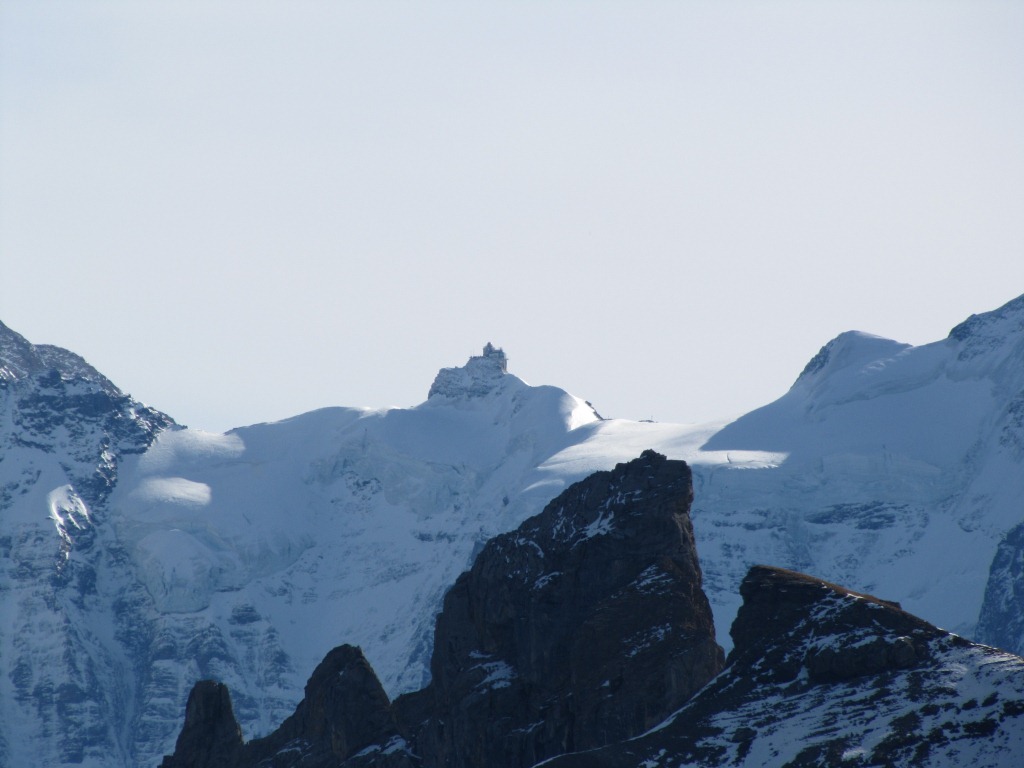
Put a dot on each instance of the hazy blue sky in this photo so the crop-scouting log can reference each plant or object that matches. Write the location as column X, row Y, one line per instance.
column 242, row 211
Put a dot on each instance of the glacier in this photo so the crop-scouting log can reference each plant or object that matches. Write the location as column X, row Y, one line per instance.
column 140, row 556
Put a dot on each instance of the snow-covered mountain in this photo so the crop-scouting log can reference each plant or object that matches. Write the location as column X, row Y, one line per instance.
column 903, row 471
column 140, row 557
column 66, row 672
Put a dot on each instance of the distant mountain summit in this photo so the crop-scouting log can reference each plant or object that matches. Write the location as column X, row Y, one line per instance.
column 479, row 377
column 140, row 557
column 20, row 359
column 990, row 329
column 65, row 428
column 903, row 469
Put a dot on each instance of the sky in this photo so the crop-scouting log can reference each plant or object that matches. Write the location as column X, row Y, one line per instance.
column 240, row 212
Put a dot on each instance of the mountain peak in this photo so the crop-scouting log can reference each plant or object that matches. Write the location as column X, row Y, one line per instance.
column 991, row 323
column 993, row 335
column 20, row 359
column 479, row 377
column 850, row 349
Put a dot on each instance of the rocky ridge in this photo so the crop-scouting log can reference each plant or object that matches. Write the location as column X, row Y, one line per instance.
column 586, row 625
column 819, row 675
column 822, row 676
column 66, row 432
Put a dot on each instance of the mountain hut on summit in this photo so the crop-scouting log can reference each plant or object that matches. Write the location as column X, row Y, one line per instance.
column 497, row 354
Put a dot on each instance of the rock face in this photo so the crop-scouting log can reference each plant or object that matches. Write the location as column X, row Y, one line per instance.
column 585, row 626
column 1001, row 622
column 820, row 676
column 211, row 737
column 776, row 600
column 345, row 711
column 583, row 639
column 66, row 660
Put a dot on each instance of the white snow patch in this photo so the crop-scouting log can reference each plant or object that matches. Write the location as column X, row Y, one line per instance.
column 498, row 674
column 178, row 492
column 600, row 527
column 67, row 508
column 546, row 579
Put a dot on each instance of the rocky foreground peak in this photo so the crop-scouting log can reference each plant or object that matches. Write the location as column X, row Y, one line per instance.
column 824, row 676
column 210, row 734
column 583, row 639
column 805, row 625
column 585, row 626
column 344, row 711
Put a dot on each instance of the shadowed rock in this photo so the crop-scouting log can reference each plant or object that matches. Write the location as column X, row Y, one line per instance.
column 823, row 676
column 582, row 640
column 584, row 626
column 211, row 737
column 344, row 712
column 777, row 601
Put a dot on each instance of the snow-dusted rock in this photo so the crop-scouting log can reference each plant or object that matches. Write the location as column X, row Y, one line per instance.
column 584, row 625
column 821, row 676
column 66, row 666
column 563, row 635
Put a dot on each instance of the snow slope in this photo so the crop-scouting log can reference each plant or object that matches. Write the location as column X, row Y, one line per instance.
column 246, row 556
column 262, row 547
column 904, row 470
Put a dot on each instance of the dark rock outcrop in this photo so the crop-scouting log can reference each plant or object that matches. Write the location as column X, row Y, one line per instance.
column 585, row 626
column 571, row 638
column 823, row 676
column 211, row 737
column 869, row 635
column 344, row 712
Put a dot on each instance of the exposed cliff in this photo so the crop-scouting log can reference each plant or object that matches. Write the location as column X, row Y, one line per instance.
column 819, row 676
column 823, row 676
column 585, row 626
column 66, row 661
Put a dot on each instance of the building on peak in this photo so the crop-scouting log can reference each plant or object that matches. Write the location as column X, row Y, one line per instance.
column 482, row 375
column 497, row 354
